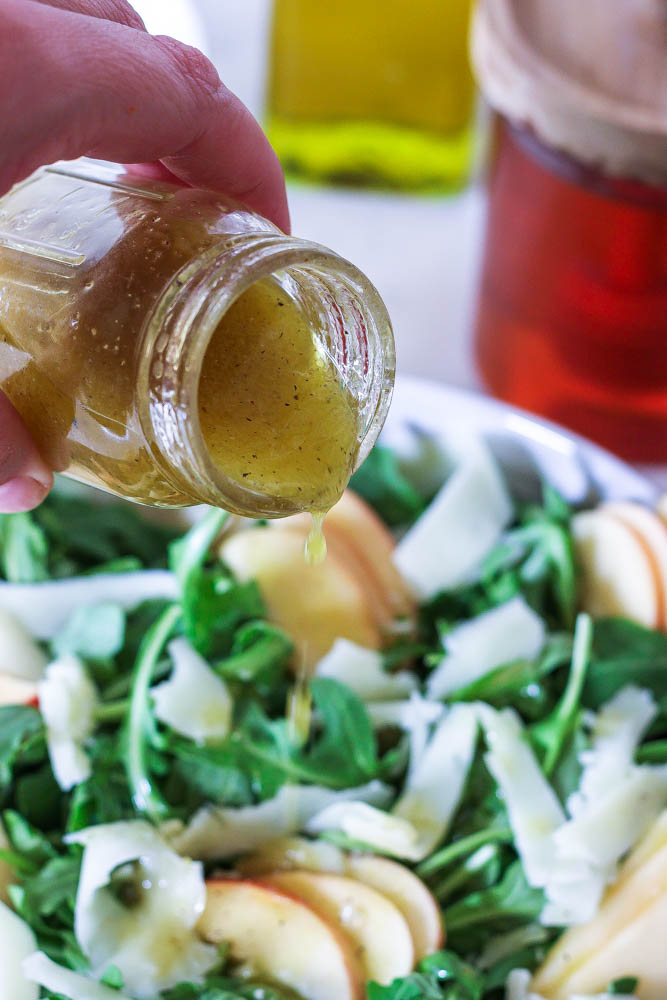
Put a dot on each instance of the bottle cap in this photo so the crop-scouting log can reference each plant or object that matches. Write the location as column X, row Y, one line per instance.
column 588, row 76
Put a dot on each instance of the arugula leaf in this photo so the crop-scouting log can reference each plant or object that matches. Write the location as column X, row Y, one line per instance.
column 552, row 732
column 538, row 556
column 259, row 654
column 140, row 726
column 442, row 976
column 627, row 985
column 346, row 745
column 210, row 773
column 512, row 899
column 39, row 798
column 479, row 871
column 19, row 724
column 104, row 797
column 55, row 884
column 384, row 486
column 219, row 988
column 84, row 535
column 214, row 605
column 96, row 632
column 23, row 549
column 25, row 840
column 625, row 653
column 188, row 554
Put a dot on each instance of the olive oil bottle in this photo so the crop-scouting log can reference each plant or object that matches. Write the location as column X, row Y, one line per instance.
column 378, row 93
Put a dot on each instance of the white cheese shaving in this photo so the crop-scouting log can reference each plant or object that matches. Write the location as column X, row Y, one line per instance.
column 512, row 631
column 615, row 802
column 574, row 859
column 20, row 655
column 447, row 544
column 194, row 701
column 359, row 821
column 153, row 943
column 17, row 941
column 532, row 805
column 44, row 608
column 38, row 968
column 362, row 670
column 215, row 833
column 609, row 825
column 616, row 732
column 434, row 786
column 67, row 702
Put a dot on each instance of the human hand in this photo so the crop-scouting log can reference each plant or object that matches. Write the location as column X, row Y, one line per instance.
column 83, row 77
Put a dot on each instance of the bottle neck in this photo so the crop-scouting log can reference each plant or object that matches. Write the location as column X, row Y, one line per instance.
column 343, row 309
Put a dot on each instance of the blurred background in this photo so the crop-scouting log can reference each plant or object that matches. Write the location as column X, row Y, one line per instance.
column 513, row 215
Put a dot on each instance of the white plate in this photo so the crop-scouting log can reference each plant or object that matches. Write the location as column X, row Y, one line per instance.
column 527, row 447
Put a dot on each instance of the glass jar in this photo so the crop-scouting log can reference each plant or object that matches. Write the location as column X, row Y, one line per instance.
column 114, row 295
column 367, row 94
column 572, row 306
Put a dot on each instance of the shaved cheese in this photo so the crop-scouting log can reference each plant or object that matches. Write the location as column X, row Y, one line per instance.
column 362, row 670
column 37, row 968
column 67, row 702
column 215, row 833
column 434, row 786
column 573, row 886
column 359, row 821
column 20, row 655
column 416, row 717
column 532, row 805
column 616, row 733
column 194, row 701
column 447, row 544
column 43, row 608
column 17, row 941
column 512, row 631
column 153, row 943
column 609, row 826
column 615, row 803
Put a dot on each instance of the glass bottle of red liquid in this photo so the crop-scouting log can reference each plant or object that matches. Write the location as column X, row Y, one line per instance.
column 572, row 307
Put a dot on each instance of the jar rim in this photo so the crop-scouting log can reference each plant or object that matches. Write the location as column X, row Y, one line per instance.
column 176, row 336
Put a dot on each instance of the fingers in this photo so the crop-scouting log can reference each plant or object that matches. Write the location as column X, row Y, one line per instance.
column 93, row 86
column 25, row 479
column 109, row 10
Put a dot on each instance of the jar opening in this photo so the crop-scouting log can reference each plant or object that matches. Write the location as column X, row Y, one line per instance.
column 206, row 359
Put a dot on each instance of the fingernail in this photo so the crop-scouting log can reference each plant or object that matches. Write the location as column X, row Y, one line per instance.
column 22, row 493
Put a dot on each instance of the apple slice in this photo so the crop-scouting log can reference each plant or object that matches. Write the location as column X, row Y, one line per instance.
column 618, row 577
column 408, row 893
column 357, row 537
column 653, row 532
column 290, row 853
column 377, row 930
column 315, row 604
column 17, row 691
column 279, row 936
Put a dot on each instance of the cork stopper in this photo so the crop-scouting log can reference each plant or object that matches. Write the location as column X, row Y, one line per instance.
column 588, row 76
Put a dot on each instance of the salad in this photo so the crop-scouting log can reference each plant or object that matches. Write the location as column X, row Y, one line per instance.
column 433, row 767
